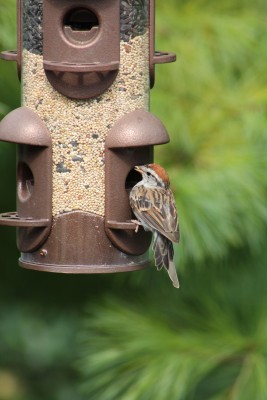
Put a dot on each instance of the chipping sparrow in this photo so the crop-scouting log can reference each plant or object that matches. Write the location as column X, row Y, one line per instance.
column 153, row 204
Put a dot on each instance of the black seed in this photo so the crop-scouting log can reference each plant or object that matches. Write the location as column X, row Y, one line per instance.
column 134, row 18
column 77, row 158
column 61, row 168
column 32, row 34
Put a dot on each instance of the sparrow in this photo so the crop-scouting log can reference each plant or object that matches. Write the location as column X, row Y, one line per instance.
column 153, row 205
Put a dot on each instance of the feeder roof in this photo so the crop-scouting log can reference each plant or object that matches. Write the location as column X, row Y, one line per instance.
column 136, row 129
column 23, row 126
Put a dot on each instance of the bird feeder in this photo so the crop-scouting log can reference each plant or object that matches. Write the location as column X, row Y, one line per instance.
column 86, row 69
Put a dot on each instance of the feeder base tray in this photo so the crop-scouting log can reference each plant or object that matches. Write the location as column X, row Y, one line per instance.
column 83, row 269
column 77, row 244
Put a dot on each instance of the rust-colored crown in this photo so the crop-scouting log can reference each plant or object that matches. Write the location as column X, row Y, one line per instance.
column 160, row 171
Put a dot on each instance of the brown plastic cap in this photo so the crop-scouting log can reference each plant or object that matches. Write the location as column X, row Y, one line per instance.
column 87, row 59
column 137, row 129
column 23, row 126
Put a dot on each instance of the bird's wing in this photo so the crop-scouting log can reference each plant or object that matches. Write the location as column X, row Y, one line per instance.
column 157, row 209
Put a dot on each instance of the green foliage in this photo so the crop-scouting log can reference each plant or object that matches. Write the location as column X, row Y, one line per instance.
column 214, row 105
column 205, row 342
column 38, row 346
column 8, row 23
column 9, row 85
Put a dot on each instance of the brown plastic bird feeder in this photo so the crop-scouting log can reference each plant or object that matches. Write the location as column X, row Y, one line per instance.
column 86, row 68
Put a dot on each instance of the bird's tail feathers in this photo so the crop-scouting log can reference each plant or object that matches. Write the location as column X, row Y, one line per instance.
column 158, row 247
column 163, row 253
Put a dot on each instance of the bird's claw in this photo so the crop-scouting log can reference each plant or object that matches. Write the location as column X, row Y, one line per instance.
column 137, row 224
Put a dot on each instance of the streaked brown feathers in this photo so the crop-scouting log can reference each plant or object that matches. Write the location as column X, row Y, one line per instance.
column 156, row 210
column 153, row 204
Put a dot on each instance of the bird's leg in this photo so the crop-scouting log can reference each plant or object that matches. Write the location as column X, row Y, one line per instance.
column 137, row 224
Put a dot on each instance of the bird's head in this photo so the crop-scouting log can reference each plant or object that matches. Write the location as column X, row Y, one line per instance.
column 154, row 175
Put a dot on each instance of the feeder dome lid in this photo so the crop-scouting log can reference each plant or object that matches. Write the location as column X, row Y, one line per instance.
column 23, row 126
column 136, row 129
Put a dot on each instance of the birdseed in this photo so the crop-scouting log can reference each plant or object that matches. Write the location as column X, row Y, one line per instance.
column 79, row 127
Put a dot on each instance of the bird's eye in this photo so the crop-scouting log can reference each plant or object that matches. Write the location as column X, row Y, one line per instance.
column 148, row 173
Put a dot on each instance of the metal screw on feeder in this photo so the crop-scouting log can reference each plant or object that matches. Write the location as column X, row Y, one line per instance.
column 86, row 71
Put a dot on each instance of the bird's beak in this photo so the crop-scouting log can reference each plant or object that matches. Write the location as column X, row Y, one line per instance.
column 139, row 169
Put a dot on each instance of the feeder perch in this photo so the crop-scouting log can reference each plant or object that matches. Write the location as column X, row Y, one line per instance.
column 86, row 70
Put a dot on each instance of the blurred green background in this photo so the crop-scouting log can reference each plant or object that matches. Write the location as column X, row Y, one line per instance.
column 133, row 336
